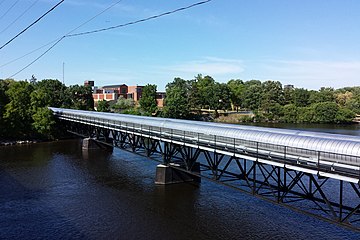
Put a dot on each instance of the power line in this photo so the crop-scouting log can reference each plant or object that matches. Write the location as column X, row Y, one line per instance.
column 35, row 50
column 110, row 28
column 22, row 14
column 11, row 7
column 92, row 18
column 31, row 63
column 37, row 20
column 139, row 21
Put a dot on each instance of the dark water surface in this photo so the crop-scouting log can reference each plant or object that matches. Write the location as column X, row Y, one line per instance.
column 55, row 191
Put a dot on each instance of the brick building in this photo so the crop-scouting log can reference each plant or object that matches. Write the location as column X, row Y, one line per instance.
column 113, row 92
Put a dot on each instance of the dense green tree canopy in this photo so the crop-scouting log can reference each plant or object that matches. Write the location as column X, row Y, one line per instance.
column 24, row 106
column 103, row 106
column 148, row 99
column 177, row 103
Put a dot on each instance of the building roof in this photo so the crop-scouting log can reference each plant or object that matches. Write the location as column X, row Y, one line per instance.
column 114, row 86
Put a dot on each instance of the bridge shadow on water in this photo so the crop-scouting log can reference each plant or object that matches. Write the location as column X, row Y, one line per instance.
column 57, row 191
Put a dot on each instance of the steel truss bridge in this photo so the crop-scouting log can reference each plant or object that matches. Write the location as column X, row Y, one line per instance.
column 315, row 173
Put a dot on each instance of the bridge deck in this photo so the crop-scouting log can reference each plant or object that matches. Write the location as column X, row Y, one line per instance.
column 326, row 155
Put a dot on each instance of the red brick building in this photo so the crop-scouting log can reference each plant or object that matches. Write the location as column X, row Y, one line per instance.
column 113, row 92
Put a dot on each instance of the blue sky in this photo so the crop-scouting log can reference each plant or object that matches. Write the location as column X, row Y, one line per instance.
column 307, row 43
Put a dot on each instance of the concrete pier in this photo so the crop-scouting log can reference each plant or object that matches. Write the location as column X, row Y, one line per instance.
column 91, row 144
column 167, row 174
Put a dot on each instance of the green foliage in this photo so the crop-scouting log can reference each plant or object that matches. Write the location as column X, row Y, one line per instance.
column 237, row 89
column 306, row 114
column 301, row 97
column 253, row 96
column 246, row 118
column 323, row 95
column 134, row 111
column 123, row 104
column 148, row 99
column 79, row 97
column 206, row 90
column 44, row 122
column 18, row 114
column 103, row 106
column 23, row 106
column 177, row 99
column 325, row 112
column 344, row 115
column 290, row 113
column 47, row 93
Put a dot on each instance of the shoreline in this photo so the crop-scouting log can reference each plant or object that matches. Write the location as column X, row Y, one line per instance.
column 4, row 143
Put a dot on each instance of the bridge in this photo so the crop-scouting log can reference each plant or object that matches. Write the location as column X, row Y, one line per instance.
column 316, row 173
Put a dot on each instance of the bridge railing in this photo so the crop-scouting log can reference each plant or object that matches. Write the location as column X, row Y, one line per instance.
column 320, row 161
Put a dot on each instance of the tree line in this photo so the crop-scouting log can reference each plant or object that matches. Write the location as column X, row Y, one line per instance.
column 24, row 113
column 269, row 100
column 23, row 107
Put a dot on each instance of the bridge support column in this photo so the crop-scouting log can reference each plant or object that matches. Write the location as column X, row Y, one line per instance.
column 91, row 144
column 168, row 174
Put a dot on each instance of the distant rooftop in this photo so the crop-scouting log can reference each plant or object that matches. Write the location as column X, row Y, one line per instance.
column 114, row 86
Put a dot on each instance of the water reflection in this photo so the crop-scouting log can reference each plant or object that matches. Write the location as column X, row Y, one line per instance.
column 56, row 191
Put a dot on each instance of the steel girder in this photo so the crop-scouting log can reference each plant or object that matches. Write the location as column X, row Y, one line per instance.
column 330, row 199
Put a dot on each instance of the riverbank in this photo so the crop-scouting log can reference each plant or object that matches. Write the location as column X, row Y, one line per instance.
column 4, row 142
column 19, row 142
column 235, row 118
column 249, row 118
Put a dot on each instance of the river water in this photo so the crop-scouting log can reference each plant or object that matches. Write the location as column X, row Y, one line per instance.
column 56, row 191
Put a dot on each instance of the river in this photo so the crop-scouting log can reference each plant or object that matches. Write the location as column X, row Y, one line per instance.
column 56, row 191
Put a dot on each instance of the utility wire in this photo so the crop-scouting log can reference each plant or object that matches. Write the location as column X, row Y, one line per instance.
column 31, row 63
column 109, row 28
column 139, row 21
column 92, row 18
column 37, row 20
column 35, row 50
column 11, row 7
column 86, row 22
column 22, row 14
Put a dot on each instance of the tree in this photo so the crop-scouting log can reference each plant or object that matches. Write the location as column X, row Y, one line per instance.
column 123, row 104
column 103, row 106
column 48, row 93
column 325, row 112
column 18, row 112
column 194, row 97
column 344, row 115
column 290, row 113
column 237, row 89
column 3, row 101
column 343, row 98
column 323, row 95
column 220, row 97
column 177, row 100
column 148, row 99
column 206, row 89
column 253, row 95
column 79, row 97
column 44, row 122
column 301, row 97
column 272, row 93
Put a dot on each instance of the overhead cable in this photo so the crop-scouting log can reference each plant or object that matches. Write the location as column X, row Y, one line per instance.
column 110, row 28
column 22, row 14
column 32, row 24
column 139, row 21
column 9, row 9
column 87, row 21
